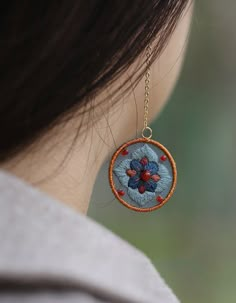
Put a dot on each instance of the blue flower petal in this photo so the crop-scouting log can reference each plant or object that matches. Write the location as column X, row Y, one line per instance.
column 120, row 171
column 165, row 180
column 145, row 151
column 136, row 165
column 140, row 199
column 150, row 185
column 134, row 182
column 153, row 167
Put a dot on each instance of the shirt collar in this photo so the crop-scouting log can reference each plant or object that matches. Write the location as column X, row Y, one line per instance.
column 42, row 239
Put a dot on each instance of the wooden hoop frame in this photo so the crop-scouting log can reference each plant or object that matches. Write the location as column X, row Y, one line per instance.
column 112, row 184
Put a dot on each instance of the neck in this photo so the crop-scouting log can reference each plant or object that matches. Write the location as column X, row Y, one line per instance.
column 65, row 171
column 65, row 167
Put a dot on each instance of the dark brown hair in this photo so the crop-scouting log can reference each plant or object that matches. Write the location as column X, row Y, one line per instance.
column 55, row 55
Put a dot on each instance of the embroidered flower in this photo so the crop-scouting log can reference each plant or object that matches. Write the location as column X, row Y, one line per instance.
column 143, row 175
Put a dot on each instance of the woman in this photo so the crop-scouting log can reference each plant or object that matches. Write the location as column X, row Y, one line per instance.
column 70, row 91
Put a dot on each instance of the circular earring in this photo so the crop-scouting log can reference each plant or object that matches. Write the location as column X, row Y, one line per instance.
column 142, row 172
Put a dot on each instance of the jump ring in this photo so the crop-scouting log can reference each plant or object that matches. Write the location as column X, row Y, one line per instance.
column 147, row 132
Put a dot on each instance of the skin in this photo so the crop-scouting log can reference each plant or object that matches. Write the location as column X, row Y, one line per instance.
column 71, row 179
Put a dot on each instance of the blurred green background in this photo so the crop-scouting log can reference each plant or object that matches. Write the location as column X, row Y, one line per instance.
column 192, row 239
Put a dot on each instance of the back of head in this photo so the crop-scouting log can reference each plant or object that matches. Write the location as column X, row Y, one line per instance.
column 55, row 56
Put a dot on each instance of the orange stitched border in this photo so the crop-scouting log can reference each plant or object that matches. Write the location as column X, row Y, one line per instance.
column 173, row 165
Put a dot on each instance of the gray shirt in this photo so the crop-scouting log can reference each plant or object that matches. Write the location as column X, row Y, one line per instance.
column 50, row 253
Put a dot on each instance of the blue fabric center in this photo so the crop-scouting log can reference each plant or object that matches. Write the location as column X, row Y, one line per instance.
column 136, row 181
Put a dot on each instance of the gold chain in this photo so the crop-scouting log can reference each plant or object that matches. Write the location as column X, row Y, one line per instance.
column 147, row 131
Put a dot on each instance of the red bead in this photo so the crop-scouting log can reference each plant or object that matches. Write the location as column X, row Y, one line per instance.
column 131, row 172
column 156, row 178
column 145, row 175
column 163, row 158
column 144, row 161
column 124, row 152
column 160, row 199
column 121, row 193
column 141, row 189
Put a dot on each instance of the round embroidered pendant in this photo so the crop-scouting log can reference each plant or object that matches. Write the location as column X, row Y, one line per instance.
column 142, row 175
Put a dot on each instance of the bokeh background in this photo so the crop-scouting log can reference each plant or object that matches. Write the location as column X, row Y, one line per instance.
column 192, row 239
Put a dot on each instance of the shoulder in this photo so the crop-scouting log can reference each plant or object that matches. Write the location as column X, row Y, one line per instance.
column 45, row 243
